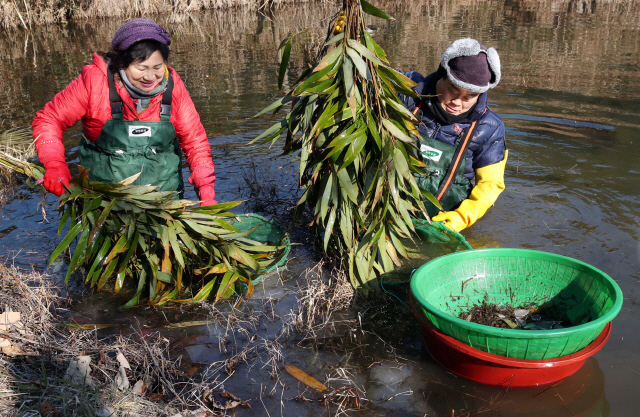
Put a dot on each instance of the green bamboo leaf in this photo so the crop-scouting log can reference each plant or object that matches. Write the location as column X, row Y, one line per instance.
column 374, row 47
column 107, row 273
column 329, row 112
column 328, row 70
column 401, row 163
column 120, row 246
column 142, row 279
column 63, row 220
column 402, row 208
column 73, row 232
column 243, row 257
column 126, row 262
column 431, row 198
column 205, row 290
column 175, row 246
column 365, row 52
column 349, row 185
column 153, row 287
column 399, row 247
column 347, row 75
column 362, row 66
column 78, row 254
column 374, row 11
column 225, row 290
column 402, row 109
column 93, row 204
column 396, row 132
column 326, row 195
column 165, row 277
column 94, row 271
column 286, row 51
column 328, row 59
column 354, row 150
column 278, row 127
column 329, row 229
column 400, row 80
column 335, row 39
column 320, row 86
column 278, row 103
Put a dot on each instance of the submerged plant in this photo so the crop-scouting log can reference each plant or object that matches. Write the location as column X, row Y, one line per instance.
column 127, row 230
column 356, row 144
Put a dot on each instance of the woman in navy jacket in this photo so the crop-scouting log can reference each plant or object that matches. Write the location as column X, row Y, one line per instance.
column 462, row 139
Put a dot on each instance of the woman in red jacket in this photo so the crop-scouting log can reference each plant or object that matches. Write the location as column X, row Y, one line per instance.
column 136, row 117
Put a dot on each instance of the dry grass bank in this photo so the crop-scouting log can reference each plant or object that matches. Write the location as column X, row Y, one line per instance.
column 28, row 13
column 38, row 352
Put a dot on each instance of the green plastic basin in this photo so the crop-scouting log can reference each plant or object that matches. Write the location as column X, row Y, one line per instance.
column 447, row 285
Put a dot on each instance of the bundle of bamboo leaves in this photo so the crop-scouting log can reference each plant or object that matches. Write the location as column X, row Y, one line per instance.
column 356, row 143
column 127, row 230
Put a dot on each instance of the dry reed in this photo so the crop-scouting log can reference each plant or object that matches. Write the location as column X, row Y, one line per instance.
column 32, row 368
column 320, row 295
column 24, row 14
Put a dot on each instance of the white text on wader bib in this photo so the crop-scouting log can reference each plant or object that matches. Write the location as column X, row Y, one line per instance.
column 137, row 131
column 430, row 153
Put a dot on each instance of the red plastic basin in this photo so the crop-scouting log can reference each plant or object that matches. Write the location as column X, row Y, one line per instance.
column 490, row 369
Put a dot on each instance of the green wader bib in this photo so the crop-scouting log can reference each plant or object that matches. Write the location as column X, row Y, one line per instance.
column 445, row 171
column 126, row 148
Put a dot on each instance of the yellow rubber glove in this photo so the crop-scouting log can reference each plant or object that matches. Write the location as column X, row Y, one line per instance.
column 489, row 185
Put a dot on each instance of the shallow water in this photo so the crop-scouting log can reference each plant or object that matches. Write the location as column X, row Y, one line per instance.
column 571, row 73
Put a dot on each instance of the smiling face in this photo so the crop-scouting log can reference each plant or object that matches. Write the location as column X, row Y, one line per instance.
column 146, row 75
column 455, row 100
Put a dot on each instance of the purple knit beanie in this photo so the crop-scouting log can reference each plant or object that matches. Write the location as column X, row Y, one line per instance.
column 136, row 30
column 471, row 66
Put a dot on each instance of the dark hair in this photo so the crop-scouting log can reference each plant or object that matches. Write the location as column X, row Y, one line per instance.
column 139, row 51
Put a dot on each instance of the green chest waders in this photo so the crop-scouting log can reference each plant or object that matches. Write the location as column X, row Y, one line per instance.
column 445, row 169
column 125, row 148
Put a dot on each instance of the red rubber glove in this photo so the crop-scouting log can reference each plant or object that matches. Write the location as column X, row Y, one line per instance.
column 56, row 173
column 207, row 195
column 204, row 178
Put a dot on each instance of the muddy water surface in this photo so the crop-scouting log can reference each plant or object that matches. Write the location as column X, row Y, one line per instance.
column 571, row 73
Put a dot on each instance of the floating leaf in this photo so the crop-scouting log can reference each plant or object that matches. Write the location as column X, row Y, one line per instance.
column 305, row 378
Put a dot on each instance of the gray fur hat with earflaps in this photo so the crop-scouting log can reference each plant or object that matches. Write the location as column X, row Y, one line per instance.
column 471, row 66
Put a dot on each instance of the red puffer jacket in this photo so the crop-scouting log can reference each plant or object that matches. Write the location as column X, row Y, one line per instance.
column 87, row 99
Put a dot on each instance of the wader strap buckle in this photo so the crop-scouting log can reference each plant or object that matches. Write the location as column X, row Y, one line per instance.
column 458, row 157
column 114, row 97
column 165, row 109
column 167, row 95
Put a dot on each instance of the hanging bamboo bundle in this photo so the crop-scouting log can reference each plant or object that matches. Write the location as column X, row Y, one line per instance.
column 356, row 144
column 126, row 230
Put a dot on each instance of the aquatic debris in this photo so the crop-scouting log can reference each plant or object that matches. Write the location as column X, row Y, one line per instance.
column 507, row 317
column 305, row 378
column 356, row 144
column 79, row 372
column 231, row 401
column 46, row 409
column 189, row 324
column 89, row 326
column 121, row 380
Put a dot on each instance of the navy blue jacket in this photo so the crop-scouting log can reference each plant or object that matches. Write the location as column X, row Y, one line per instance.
column 487, row 146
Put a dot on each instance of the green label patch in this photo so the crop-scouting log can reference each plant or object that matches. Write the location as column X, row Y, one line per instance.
column 430, row 153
